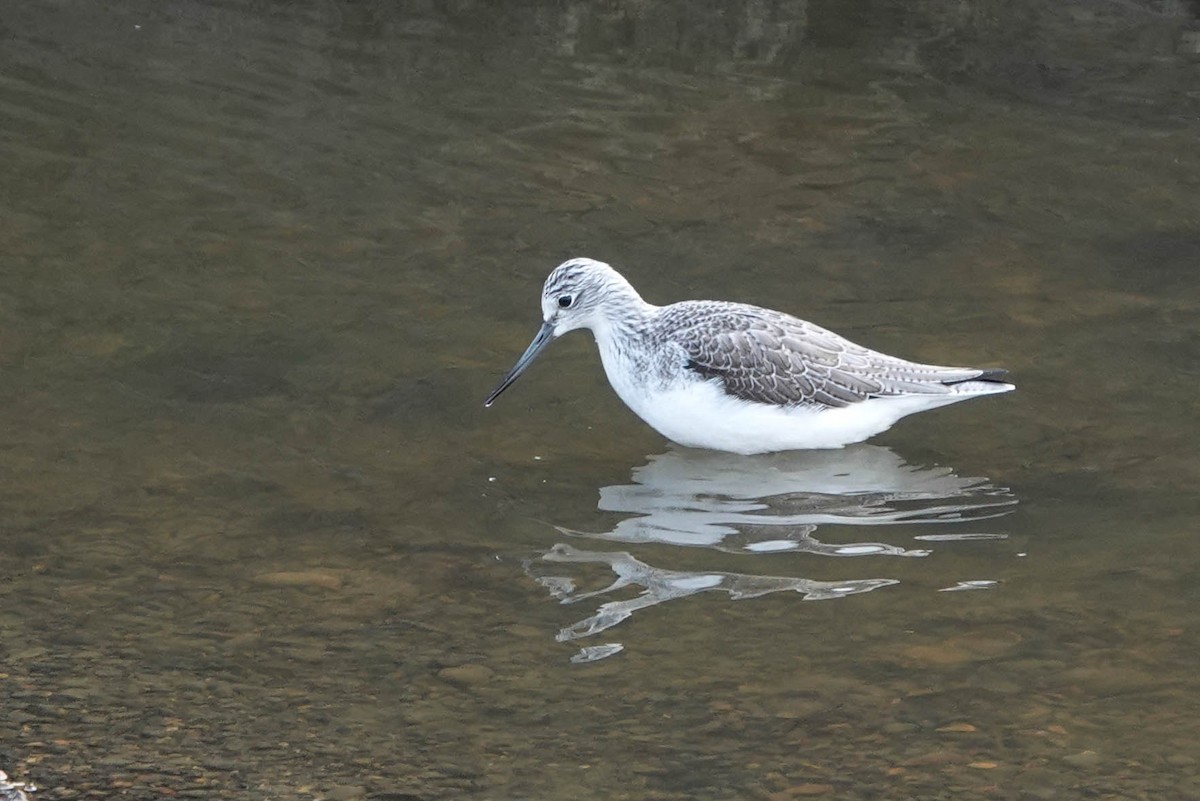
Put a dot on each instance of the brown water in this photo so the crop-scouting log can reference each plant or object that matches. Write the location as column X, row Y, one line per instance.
column 262, row 261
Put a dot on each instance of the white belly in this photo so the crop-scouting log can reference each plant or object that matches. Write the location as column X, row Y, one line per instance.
column 699, row 414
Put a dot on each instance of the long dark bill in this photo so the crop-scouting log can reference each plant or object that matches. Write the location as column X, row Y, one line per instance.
column 545, row 336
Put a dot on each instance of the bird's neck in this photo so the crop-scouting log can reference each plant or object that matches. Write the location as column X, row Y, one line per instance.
column 622, row 338
column 626, row 318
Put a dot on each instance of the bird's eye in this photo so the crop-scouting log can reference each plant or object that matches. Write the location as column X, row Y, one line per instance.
column 565, row 301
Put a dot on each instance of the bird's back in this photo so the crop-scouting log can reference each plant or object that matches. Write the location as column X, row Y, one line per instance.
column 766, row 356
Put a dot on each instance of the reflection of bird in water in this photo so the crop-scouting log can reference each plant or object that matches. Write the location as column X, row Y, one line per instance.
column 758, row 506
column 704, row 498
column 739, row 378
column 659, row 585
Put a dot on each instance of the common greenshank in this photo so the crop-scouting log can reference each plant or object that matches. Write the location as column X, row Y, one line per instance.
column 735, row 377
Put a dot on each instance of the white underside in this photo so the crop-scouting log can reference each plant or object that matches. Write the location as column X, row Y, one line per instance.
column 701, row 415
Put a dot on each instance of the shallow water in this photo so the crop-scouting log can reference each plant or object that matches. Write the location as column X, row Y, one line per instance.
column 261, row 263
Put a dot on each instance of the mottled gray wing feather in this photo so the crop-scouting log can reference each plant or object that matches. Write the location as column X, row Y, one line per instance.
column 770, row 357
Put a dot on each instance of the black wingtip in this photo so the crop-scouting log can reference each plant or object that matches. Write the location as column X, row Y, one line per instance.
column 994, row 374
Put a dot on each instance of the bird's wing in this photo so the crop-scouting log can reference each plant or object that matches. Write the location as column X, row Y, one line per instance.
column 771, row 357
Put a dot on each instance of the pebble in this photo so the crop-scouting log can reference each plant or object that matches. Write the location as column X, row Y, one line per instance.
column 525, row 631
column 1084, row 759
column 941, row 757
column 806, row 790
column 303, row 578
column 466, row 675
column 957, row 728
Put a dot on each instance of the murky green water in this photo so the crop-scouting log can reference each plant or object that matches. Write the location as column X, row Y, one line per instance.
column 260, row 262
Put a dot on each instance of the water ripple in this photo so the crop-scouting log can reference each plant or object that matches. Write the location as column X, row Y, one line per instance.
column 763, row 507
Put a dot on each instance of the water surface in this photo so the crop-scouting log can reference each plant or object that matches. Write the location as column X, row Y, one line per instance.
column 261, row 263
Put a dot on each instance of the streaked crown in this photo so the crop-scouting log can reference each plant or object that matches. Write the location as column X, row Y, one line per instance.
column 580, row 293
